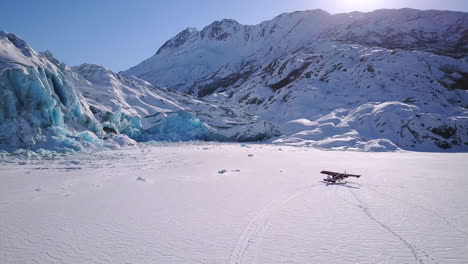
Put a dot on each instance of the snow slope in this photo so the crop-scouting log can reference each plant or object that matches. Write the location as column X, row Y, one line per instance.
column 382, row 80
column 45, row 104
column 225, row 203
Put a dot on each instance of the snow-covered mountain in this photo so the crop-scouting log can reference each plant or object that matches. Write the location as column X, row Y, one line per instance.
column 382, row 80
column 45, row 104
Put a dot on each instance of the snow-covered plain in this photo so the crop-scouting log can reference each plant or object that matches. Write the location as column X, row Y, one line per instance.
column 232, row 203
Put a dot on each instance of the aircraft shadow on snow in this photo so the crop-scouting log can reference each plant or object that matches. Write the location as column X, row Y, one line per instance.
column 342, row 185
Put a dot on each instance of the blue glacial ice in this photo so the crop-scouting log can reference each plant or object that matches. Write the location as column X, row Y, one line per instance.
column 36, row 108
column 179, row 126
column 41, row 110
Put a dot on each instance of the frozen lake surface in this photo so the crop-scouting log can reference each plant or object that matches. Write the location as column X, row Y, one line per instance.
column 232, row 203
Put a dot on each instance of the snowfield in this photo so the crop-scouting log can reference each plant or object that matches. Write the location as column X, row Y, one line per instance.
column 233, row 203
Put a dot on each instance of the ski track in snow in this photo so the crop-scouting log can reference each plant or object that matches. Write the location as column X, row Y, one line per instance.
column 444, row 219
column 254, row 229
column 414, row 251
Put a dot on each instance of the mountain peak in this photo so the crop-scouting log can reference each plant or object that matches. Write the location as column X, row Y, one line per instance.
column 50, row 56
column 179, row 40
column 220, row 30
column 312, row 12
column 96, row 74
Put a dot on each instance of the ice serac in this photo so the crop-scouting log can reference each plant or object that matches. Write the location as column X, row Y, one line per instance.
column 37, row 102
column 146, row 112
column 383, row 80
column 46, row 105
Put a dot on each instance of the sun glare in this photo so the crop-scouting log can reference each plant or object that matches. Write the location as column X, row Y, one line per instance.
column 355, row 5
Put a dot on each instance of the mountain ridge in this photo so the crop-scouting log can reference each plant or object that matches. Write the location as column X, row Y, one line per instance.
column 253, row 39
column 401, row 60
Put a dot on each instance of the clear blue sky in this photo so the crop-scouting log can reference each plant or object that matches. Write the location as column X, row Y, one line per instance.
column 120, row 34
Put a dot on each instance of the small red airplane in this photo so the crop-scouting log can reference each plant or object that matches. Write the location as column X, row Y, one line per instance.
column 337, row 177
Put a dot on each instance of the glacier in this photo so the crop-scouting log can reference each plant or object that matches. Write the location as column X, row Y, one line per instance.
column 47, row 106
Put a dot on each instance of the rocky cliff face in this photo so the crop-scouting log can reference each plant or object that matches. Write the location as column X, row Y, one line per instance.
column 382, row 80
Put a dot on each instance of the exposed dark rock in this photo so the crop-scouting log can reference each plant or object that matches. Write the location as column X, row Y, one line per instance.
column 445, row 131
column 210, row 88
column 292, row 76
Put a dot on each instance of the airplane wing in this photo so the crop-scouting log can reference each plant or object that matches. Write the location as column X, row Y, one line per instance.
column 331, row 173
column 352, row 175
